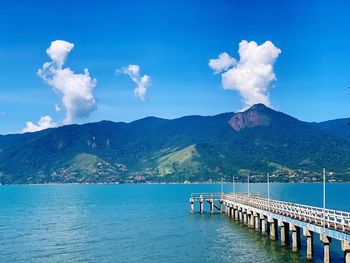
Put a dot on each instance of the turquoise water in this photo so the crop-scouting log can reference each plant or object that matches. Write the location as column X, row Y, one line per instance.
column 142, row 223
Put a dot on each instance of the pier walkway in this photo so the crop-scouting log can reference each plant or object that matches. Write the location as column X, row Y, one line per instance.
column 280, row 219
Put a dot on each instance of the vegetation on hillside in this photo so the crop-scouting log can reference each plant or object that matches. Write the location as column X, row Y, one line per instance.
column 192, row 148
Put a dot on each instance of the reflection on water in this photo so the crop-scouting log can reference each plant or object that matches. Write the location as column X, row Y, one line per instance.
column 142, row 223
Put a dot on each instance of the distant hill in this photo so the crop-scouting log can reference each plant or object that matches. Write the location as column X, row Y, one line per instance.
column 338, row 127
column 192, row 148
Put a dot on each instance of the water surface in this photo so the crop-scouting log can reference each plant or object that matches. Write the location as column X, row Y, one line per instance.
column 143, row 223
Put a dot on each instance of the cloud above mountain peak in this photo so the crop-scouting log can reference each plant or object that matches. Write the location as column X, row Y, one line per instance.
column 252, row 74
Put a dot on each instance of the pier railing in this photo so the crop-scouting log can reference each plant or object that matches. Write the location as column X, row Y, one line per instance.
column 218, row 195
column 266, row 215
column 333, row 219
column 215, row 196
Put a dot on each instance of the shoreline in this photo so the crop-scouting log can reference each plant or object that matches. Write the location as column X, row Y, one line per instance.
column 160, row 183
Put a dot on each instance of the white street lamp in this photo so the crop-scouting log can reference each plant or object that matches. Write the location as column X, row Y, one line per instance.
column 268, row 188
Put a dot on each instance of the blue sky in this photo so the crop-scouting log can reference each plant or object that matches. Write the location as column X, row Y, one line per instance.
column 172, row 42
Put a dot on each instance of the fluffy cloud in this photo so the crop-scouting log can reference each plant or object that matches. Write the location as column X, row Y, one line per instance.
column 44, row 123
column 59, row 50
column 223, row 62
column 142, row 83
column 57, row 108
column 76, row 90
column 2, row 113
column 252, row 75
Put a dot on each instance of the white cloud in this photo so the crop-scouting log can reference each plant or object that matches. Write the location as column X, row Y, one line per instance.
column 2, row 113
column 45, row 122
column 253, row 74
column 223, row 62
column 142, row 83
column 76, row 90
column 57, row 108
column 59, row 50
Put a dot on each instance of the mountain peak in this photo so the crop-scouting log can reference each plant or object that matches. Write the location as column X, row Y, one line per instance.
column 256, row 115
column 259, row 106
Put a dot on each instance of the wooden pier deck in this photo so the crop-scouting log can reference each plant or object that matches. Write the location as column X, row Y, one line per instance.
column 265, row 215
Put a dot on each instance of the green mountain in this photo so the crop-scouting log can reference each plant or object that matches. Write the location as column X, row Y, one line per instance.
column 192, row 148
column 338, row 127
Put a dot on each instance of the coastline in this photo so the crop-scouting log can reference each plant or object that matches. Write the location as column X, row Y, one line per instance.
column 164, row 183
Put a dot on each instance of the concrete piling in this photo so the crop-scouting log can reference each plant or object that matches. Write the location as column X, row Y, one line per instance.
column 273, row 227
column 256, row 221
column 309, row 243
column 201, row 205
column 250, row 219
column 326, row 252
column 284, row 233
column 245, row 217
column 263, row 223
column 192, row 205
column 295, row 237
column 345, row 246
column 236, row 213
column 211, row 202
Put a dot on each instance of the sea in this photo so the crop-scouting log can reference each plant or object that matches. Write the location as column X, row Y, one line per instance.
column 145, row 223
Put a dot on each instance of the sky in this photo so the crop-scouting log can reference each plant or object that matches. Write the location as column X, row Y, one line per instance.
column 64, row 62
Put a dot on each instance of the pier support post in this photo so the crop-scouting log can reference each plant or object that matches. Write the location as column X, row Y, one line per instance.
column 309, row 243
column 345, row 246
column 221, row 206
column 232, row 212
column 201, row 205
column 236, row 213
column 326, row 251
column 295, row 237
column 245, row 217
column 192, row 205
column 241, row 217
column 263, row 223
column 256, row 221
column 250, row 219
column 284, row 233
column 273, row 227
column 211, row 206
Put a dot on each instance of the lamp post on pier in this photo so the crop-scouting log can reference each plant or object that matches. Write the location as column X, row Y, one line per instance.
column 248, row 187
column 233, row 185
column 324, row 196
column 268, row 188
column 222, row 186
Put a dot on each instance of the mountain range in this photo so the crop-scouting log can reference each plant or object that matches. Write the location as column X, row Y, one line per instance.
column 257, row 141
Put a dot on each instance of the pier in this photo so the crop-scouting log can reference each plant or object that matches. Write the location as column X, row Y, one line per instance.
column 268, row 216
